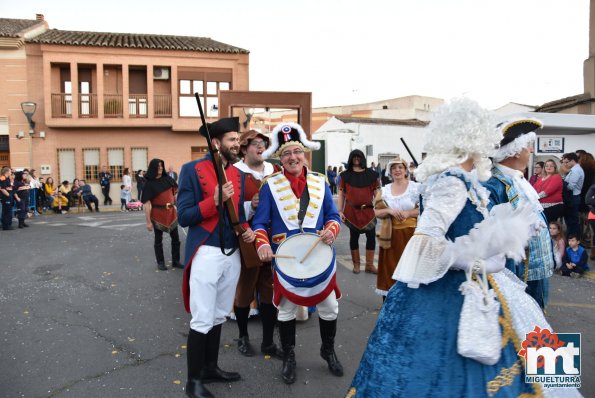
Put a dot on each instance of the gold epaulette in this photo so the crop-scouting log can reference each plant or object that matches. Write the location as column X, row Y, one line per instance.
column 319, row 174
column 265, row 180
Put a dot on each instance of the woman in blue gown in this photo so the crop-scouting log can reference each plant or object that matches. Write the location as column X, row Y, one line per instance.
column 412, row 351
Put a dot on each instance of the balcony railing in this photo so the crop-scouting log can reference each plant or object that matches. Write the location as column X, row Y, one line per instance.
column 62, row 105
column 137, row 105
column 162, row 105
column 112, row 105
column 88, row 105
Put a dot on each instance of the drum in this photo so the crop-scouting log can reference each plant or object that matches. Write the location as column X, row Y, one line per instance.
column 310, row 282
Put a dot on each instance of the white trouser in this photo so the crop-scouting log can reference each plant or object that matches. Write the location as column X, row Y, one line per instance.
column 213, row 281
column 328, row 309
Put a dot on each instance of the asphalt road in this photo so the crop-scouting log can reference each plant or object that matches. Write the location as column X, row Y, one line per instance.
column 85, row 313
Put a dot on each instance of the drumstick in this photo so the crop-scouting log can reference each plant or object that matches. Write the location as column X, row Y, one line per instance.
column 313, row 246
column 281, row 256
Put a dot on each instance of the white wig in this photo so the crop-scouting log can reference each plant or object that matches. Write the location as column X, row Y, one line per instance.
column 460, row 130
column 515, row 147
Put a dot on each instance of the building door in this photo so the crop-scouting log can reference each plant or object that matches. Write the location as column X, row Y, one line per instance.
column 318, row 160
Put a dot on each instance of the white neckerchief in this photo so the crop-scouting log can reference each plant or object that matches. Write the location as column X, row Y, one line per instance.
column 268, row 169
column 525, row 189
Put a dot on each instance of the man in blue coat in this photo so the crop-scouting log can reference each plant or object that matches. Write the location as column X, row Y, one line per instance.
column 210, row 276
column 508, row 184
column 291, row 201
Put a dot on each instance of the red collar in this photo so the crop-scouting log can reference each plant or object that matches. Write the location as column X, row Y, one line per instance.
column 297, row 183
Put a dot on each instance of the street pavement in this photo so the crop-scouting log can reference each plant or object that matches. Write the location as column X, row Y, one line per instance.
column 85, row 313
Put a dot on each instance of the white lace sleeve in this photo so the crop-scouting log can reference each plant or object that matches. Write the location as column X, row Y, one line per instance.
column 420, row 262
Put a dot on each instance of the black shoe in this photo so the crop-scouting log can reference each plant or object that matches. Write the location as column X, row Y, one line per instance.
column 161, row 266
column 244, row 347
column 214, row 375
column 195, row 389
column 177, row 264
column 272, row 350
column 289, row 364
column 329, row 355
column 21, row 225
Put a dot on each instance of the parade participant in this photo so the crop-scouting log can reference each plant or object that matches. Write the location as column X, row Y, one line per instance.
column 159, row 200
column 397, row 204
column 291, row 201
column 7, row 199
column 259, row 277
column 210, row 276
column 356, row 194
column 412, row 351
column 508, row 184
column 21, row 191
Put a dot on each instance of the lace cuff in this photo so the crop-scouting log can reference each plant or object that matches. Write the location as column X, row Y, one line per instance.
column 421, row 261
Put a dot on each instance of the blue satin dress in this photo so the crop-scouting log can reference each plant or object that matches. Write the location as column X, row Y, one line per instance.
column 412, row 351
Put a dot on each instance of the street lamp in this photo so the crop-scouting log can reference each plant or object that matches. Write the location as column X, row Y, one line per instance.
column 29, row 108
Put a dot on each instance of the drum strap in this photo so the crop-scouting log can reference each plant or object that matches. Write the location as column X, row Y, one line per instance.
column 304, row 202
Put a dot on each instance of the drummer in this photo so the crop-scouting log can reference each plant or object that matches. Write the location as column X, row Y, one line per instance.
column 293, row 199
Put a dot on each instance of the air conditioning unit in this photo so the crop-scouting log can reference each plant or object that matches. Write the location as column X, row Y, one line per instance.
column 160, row 73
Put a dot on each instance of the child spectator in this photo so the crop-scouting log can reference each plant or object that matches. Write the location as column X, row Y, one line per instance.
column 575, row 258
column 558, row 242
column 124, row 197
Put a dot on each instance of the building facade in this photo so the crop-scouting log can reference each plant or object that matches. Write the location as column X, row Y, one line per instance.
column 108, row 99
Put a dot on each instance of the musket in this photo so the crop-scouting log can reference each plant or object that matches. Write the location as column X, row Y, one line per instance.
column 410, row 154
column 247, row 250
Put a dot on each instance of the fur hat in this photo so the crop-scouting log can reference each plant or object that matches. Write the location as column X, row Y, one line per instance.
column 220, row 127
column 286, row 134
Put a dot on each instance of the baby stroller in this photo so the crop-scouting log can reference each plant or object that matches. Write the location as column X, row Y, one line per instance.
column 134, row 205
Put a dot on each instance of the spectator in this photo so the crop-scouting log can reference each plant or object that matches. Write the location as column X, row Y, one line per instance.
column 50, row 192
column 21, row 191
column 40, row 199
column 411, row 172
column 140, row 183
column 590, row 201
column 575, row 258
column 537, row 171
column 574, row 183
column 587, row 163
column 124, row 195
column 88, row 197
column 60, row 204
column 35, row 185
column 66, row 190
column 558, row 242
column 75, row 192
column 105, row 178
column 549, row 188
column 331, row 175
column 172, row 173
column 339, row 175
column 127, row 181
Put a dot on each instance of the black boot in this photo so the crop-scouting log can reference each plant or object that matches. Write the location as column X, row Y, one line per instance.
column 244, row 346
column 328, row 329
column 21, row 224
column 268, row 317
column 212, row 372
column 196, row 354
column 159, row 256
column 175, row 253
column 287, row 332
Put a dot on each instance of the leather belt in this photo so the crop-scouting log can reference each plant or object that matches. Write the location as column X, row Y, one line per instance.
column 364, row 206
column 165, row 206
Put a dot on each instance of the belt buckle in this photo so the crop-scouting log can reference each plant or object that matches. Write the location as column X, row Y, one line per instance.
column 363, row 207
column 168, row 205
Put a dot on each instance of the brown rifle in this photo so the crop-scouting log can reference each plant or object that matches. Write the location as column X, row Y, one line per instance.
column 247, row 250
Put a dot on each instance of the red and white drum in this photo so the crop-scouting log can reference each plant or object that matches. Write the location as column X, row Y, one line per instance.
column 304, row 283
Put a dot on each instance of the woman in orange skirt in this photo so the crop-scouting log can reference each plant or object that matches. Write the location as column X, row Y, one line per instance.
column 397, row 205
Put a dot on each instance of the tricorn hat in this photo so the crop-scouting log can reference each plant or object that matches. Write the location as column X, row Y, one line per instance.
column 286, row 134
column 250, row 135
column 221, row 126
column 511, row 130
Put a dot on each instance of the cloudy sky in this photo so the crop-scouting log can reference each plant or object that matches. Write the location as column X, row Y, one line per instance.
column 347, row 51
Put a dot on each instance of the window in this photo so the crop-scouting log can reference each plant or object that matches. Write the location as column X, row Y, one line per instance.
column 209, row 97
column 90, row 164
column 66, row 165
column 115, row 161
column 139, row 160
